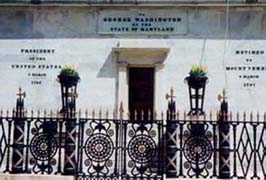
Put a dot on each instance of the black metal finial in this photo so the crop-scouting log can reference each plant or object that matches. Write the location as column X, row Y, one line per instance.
column 222, row 97
column 21, row 94
column 171, row 95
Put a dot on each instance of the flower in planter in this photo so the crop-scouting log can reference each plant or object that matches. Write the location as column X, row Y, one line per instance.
column 198, row 70
column 197, row 76
column 69, row 75
column 69, row 70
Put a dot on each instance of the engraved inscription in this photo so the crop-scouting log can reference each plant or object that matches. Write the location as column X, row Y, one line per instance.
column 150, row 22
column 249, row 72
column 36, row 66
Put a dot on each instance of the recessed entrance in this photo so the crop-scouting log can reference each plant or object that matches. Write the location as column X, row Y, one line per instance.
column 141, row 92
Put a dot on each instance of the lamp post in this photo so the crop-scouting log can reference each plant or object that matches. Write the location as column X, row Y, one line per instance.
column 19, row 128
column 224, row 138
column 68, row 86
column 196, row 88
column 69, row 79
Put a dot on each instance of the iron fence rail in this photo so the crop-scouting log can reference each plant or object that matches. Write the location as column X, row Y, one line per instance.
column 103, row 147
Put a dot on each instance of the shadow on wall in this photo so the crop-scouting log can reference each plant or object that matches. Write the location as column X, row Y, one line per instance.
column 108, row 69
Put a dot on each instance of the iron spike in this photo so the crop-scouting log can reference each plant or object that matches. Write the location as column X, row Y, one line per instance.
column 237, row 116
column 155, row 115
column 231, row 116
column 204, row 116
column 121, row 110
column 251, row 116
column 79, row 113
column 149, row 114
column 86, row 113
column 177, row 115
column 7, row 113
column 114, row 114
column 128, row 115
column 258, row 116
column 38, row 113
column 121, row 113
column 13, row 112
column 211, row 115
column 44, row 113
column 135, row 114
column 93, row 114
column 100, row 114
column 1, row 113
column 32, row 113
column 185, row 115
column 142, row 114
column 244, row 116
column 57, row 113
column 162, row 115
column 264, row 117
column 107, row 114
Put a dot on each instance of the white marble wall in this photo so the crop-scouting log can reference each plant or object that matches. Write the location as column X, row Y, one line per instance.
column 73, row 33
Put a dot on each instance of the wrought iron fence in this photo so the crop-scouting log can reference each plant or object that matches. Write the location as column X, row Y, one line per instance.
column 86, row 147
column 233, row 147
column 90, row 146
column 120, row 148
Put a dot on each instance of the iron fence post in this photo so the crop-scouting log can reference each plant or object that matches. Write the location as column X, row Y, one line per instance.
column 19, row 127
column 224, row 142
column 70, row 141
column 171, row 138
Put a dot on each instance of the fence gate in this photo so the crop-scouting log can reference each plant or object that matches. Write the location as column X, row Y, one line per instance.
column 112, row 149
column 192, row 149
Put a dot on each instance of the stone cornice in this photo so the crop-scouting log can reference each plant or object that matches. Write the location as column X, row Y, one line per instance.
column 129, row 3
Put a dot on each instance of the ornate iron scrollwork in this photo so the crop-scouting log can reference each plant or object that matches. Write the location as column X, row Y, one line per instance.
column 99, row 147
column 142, row 148
column 43, row 147
column 198, row 149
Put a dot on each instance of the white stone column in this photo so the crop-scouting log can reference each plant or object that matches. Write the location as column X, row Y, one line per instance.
column 158, row 96
column 123, row 85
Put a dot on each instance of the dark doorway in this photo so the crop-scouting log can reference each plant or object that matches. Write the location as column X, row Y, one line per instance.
column 141, row 92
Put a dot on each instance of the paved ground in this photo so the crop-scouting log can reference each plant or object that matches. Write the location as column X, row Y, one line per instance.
column 33, row 177
column 47, row 177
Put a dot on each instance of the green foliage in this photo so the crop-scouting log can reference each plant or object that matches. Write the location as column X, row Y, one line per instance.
column 69, row 70
column 198, row 70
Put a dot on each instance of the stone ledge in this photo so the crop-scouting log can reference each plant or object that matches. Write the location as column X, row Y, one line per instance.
column 132, row 2
column 33, row 177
